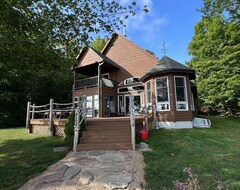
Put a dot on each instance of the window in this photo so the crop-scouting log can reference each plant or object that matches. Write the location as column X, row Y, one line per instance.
column 105, row 75
column 129, row 89
column 162, row 93
column 181, row 93
column 131, row 81
column 148, row 93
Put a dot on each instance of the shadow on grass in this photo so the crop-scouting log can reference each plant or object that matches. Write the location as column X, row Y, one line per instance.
column 23, row 159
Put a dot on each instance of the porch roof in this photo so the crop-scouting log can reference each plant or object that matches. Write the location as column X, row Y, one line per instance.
column 168, row 65
column 92, row 68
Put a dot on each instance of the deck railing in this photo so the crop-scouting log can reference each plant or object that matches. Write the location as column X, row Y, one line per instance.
column 49, row 112
column 92, row 82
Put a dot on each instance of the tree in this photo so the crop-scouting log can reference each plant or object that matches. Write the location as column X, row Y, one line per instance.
column 215, row 50
column 98, row 43
column 38, row 42
column 218, row 7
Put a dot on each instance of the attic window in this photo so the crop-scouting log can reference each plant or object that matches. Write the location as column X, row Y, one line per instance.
column 131, row 80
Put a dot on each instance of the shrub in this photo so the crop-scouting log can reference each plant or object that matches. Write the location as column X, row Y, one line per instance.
column 69, row 129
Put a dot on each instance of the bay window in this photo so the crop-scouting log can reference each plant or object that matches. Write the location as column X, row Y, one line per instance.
column 181, row 93
column 162, row 92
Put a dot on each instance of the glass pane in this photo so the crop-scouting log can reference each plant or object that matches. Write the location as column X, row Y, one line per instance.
column 149, row 98
column 181, row 106
column 179, row 81
column 180, row 94
column 161, row 82
column 162, row 95
column 148, row 85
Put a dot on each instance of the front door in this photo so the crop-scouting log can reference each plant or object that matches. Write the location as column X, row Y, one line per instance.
column 108, row 102
column 137, row 103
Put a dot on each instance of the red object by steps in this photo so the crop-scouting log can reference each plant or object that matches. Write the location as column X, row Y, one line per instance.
column 143, row 133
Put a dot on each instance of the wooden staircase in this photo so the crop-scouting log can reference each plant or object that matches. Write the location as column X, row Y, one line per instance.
column 106, row 134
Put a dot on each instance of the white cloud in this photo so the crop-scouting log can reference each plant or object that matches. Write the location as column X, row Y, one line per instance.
column 148, row 24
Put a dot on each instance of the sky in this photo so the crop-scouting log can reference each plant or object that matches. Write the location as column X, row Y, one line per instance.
column 168, row 21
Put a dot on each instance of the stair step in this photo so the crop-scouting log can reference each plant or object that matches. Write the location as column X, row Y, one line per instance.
column 108, row 123
column 106, row 133
column 112, row 146
column 104, row 140
column 106, row 128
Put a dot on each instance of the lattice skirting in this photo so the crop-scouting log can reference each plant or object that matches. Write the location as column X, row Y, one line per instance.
column 59, row 131
column 44, row 130
column 41, row 129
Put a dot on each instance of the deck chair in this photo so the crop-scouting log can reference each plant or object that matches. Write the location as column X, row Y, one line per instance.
column 112, row 111
column 123, row 111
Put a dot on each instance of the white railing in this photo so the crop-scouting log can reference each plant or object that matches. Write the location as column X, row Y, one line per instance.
column 49, row 112
column 132, row 121
column 80, row 117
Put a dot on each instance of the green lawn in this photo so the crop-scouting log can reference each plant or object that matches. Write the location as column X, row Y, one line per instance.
column 212, row 154
column 24, row 156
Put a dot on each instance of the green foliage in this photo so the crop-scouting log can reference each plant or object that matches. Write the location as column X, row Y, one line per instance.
column 98, row 43
column 219, row 7
column 24, row 156
column 212, row 154
column 69, row 129
column 215, row 50
column 38, row 43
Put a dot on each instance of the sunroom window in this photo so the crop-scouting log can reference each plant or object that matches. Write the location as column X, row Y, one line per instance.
column 162, row 91
column 148, row 93
column 181, row 93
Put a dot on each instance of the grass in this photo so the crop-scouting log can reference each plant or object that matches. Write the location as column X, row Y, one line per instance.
column 212, row 154
column 24, row 156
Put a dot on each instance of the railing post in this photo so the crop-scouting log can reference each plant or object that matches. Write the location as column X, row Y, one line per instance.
column 76, row 128
column 33, row 109
column 146, row 117
column 51, row 118
column 28, row 115
column 132, row 121
column 155, row 117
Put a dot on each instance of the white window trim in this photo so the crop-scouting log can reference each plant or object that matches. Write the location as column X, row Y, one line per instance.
column 186, row 96
column 105, row 74
column 148, row 103
column 165, row 102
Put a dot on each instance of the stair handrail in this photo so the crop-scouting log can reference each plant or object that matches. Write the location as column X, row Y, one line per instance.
column 80, row 116
column 132, row 120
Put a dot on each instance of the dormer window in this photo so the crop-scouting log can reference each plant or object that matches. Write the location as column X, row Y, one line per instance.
column 131, row 80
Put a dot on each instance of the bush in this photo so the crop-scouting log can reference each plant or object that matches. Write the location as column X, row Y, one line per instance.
column 69, row 129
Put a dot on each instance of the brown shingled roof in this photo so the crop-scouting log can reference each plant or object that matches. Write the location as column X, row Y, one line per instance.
column 168, row 65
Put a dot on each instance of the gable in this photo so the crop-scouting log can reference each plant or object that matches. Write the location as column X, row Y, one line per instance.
column 132, row 60
column 87, row 57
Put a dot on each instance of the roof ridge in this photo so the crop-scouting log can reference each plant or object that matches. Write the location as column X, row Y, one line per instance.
column 138, row 47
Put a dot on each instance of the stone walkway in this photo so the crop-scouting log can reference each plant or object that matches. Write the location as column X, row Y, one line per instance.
column 93, row 170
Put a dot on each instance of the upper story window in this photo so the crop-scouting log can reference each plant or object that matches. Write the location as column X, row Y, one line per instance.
column 181, row 93
column 131, row 81
column 162, row 92
column 105, row 75
column 148, row 93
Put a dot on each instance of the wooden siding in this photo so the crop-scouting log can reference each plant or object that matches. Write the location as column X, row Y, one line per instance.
column 89, row 57
column 133, row 60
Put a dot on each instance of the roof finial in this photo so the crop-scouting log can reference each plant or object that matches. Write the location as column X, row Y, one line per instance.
column 164, row 48
column 124, row 30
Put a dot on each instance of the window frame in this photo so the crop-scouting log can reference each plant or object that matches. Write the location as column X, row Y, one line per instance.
column 163, row 102
column 185, row 94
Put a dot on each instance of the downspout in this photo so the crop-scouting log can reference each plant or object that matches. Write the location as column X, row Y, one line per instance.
column 99, row 83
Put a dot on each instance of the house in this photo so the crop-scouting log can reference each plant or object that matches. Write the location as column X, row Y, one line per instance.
column 122, row 69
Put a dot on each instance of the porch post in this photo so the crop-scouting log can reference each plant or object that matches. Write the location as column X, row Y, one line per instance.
column 99, row 83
